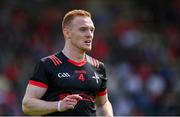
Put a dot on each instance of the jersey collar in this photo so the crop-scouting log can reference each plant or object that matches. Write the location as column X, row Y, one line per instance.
column 79, row 64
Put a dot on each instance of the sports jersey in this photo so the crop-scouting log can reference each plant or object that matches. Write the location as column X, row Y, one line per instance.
column 63, row 76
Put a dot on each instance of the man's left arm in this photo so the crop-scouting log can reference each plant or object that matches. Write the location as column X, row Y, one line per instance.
column 104, row 106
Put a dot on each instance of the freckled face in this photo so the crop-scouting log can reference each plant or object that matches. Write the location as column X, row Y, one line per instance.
column 81, row 33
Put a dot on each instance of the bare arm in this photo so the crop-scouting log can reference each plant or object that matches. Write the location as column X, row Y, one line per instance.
column 104, row 105
column 33, row 105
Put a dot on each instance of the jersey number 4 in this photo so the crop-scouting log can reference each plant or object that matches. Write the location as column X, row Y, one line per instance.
column 81, row 77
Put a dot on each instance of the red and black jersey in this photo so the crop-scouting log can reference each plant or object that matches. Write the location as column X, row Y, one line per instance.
column 63, row 76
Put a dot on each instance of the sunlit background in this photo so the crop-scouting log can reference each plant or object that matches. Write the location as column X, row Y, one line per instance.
column 138, row 40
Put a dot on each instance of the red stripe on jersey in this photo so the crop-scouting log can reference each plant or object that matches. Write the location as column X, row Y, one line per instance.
column 97, row 63
column 84, row 97
column 79, row 64
column 52, row 59
column 39, row 84
column 102, row 93
column 92, row 61
column 55, row 60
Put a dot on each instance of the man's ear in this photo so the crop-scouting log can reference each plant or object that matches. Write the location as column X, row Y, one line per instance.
column 66, row 33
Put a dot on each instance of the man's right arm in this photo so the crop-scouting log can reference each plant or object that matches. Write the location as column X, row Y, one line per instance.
column 33, row 105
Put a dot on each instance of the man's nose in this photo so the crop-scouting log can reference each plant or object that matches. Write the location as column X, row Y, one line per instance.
column 89, row 33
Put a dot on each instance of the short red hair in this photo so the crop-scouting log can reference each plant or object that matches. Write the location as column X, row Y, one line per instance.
column 69, row 16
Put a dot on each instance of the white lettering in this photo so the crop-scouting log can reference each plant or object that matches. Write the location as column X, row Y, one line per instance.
column 63, row 75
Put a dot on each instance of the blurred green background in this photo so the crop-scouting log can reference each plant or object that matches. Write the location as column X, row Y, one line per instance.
column 138, row 40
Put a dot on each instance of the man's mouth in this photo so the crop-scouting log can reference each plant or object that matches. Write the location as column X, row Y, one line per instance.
column 87, row 42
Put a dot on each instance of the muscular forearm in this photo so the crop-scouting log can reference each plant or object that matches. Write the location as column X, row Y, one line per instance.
column 33, row 106
column 106, row 109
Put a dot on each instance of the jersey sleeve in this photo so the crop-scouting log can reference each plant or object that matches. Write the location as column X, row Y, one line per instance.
column 102, row 75
column 40, row 75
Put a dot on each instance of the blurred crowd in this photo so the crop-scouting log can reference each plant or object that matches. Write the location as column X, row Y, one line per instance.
column 138, row 40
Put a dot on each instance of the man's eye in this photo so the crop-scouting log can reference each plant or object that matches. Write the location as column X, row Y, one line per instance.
column 92, row 30
column 82, row 29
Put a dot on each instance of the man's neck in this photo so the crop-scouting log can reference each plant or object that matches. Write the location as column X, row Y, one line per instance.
column 74, row 55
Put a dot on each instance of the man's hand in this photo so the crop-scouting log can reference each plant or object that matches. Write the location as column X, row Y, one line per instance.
column 69, row 102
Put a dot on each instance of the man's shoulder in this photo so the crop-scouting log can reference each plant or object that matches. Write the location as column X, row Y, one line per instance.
column 51, row 59
column 94, row 62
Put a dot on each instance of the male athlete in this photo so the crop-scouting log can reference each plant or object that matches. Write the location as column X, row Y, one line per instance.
column 69, row 83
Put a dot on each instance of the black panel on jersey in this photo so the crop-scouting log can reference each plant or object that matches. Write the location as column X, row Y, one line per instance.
column 64, row 78
column 41, row 73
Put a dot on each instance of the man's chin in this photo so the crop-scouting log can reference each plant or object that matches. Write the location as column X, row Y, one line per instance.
column 87, row 49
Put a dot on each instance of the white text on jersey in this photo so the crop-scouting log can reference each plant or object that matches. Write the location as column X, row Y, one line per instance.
column 63, row 75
